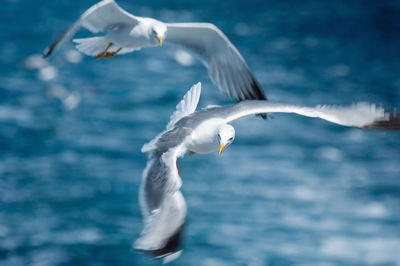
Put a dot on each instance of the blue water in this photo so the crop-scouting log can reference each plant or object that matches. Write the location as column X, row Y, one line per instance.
column 288, row 191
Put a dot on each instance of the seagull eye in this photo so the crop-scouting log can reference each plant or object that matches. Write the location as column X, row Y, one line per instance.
column 230, row 139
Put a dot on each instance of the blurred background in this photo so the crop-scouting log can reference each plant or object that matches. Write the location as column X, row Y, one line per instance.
column 289, row 191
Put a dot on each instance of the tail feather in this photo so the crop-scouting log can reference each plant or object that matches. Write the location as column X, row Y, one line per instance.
column 93, row 46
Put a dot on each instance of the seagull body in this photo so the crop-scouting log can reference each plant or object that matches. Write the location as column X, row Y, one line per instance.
column 121, row 32
column 135, row 36
column 205, row 131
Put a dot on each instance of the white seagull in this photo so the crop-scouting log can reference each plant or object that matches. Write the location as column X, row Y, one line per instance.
column 205, row 131
column 123, row 32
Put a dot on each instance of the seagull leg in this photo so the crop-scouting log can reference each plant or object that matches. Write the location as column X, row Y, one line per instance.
column 191, row 153
column 177, row 167
column 105, row 53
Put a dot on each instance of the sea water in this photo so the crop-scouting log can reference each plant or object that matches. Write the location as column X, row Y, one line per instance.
column 289, row 191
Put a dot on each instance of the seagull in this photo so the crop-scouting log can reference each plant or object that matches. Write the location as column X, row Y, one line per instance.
column 162, row 204
column 123, row 33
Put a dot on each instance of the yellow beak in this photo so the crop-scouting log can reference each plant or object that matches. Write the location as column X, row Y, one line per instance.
column 160, row 40
column 221, row 148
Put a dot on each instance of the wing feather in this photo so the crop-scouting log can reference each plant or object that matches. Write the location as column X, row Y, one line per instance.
column 162, row 204
column 362, row 115
column 184, row 108
column 220, row 56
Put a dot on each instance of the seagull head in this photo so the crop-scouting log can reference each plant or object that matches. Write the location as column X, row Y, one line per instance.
column 225, row 136
column 158, row 32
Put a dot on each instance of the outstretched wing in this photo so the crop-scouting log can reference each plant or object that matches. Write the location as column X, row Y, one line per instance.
column 362, row 115
column 163, row 207
column 100, row 17
column 226, row 66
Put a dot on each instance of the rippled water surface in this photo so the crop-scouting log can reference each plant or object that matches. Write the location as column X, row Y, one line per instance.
column 289, row 191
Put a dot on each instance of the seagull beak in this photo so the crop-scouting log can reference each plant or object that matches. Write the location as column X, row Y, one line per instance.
column 221, row 148
column 160, row 40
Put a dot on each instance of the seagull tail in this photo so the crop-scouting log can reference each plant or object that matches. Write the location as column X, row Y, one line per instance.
column 93, row 46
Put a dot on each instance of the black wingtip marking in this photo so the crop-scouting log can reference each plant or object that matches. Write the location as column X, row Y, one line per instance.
column 392, row 124
column 263, row 116
column 172, row 245
column 258, row 94
column 47, row 52
column 49, row 49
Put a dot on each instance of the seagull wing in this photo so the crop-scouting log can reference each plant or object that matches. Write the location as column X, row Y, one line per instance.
column 362, row 115
column 162, row 204
column 184, row 108
column 163, row 207
column 100, row 17
column 226, row 66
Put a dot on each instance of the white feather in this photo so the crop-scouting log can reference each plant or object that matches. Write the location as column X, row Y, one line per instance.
column 92, row 46
column 186, row 106
column 104, row 15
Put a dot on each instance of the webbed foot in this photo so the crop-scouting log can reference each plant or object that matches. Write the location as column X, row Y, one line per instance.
column 106, row 54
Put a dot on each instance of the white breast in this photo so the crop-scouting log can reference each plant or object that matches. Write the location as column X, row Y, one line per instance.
column 204, row 138
column 131, row 37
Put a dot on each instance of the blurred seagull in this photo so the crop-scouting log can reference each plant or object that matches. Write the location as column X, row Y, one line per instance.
column 124, row 33
column 205, row 131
